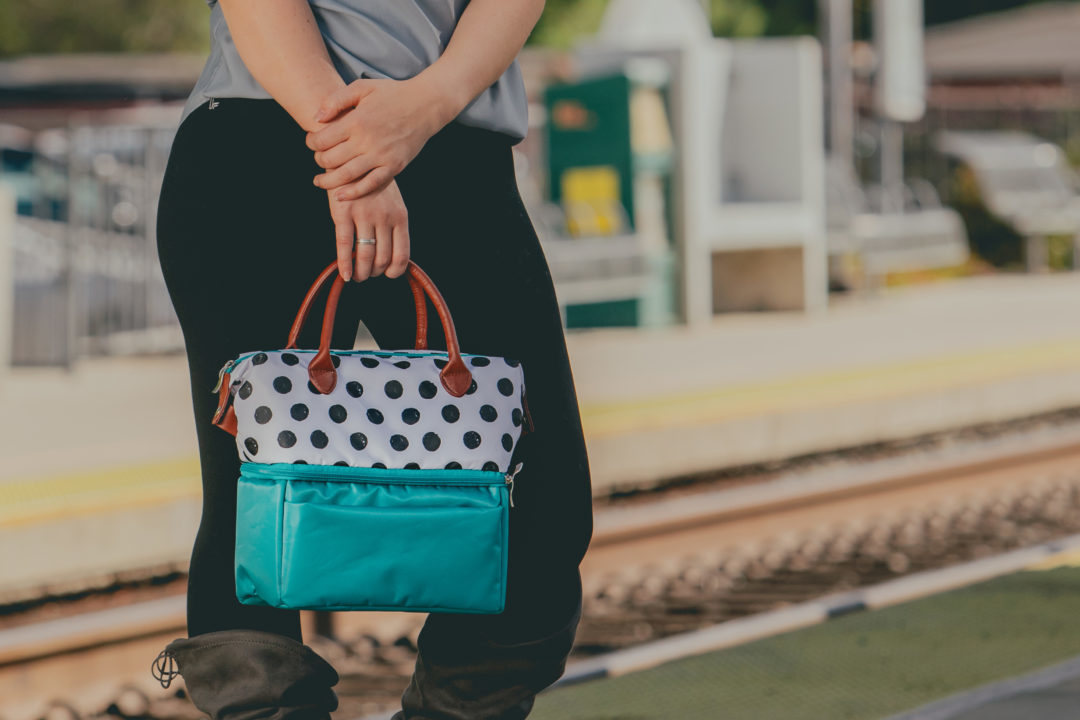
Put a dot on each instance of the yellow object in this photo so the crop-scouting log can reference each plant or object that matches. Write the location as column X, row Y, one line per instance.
column 591, row 200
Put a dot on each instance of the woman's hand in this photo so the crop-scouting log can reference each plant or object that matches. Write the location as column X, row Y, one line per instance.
column 374, row 129
column 380, row 215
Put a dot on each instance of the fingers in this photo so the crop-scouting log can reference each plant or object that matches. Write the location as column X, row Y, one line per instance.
column 400, row 260
column 374, row 181
column 335, row 157
column 344, row 237
column 364, row 254
column 384, row 248
column 352, row 170
column 342, row 98
column 327, row 137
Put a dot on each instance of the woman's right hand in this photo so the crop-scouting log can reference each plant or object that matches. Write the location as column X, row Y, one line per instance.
column 380, row 215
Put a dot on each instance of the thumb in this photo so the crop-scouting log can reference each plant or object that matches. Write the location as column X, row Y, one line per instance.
column 343, row 98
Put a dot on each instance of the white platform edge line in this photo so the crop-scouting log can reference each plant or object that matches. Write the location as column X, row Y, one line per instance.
column 770, row 623
column 812, row 612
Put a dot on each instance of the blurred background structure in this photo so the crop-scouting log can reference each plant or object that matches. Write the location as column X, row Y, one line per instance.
column 817, row 263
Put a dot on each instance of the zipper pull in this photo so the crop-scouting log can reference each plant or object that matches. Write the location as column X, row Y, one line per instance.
column 510, row 480
column 221, row 375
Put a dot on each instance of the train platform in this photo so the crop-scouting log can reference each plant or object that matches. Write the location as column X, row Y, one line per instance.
column 100, row 454
column 1004, row 648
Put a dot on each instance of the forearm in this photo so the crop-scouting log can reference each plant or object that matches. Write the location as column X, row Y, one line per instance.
column 487, row 38
column 283, row 49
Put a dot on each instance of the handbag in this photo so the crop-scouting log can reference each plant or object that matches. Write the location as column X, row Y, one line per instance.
column 373, row 479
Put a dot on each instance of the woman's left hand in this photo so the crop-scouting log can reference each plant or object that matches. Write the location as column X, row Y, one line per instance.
column 374, row 129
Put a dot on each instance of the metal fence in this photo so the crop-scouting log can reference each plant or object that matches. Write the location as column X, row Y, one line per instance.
column 90, row 284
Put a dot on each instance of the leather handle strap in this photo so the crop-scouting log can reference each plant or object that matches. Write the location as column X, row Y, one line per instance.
column 455, row 375
column 316, row 287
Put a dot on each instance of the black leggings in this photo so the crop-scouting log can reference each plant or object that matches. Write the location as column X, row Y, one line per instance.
column 242, row 233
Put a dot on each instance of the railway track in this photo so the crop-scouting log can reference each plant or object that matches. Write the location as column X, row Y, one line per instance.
column 658, row 565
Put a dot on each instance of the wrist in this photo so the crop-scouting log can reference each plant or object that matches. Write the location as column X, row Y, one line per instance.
column 446, row 98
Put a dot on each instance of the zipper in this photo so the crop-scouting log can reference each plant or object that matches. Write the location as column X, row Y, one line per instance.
column 510, row 480
column 464, row 476
column 226, row 368
column 383, row 353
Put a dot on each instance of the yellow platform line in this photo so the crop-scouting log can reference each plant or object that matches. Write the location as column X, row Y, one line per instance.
column 830, row 389
column 60, row 496
column 72, row 494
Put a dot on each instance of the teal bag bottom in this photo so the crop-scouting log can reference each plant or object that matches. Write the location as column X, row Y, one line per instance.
column 319, row 537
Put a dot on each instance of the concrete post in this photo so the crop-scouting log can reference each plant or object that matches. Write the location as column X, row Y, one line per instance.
column 7, row 277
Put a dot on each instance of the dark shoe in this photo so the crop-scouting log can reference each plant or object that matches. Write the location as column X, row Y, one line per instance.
column 249, row 674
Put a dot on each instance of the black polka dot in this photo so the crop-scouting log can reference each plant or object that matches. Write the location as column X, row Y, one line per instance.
column 506, row 387
column 490, row 465
column 338, row 413
column 441, row 363
column 286, row 439
column 515, row 416
column 289, row 359
column 259, row 359
column 428, row 389
column 341, row 463
column 488, row 413
column 313, row 389
column 450, row 413
column 471, row 439
column 399, row 442
column 252, row 446
column 432, row 441
column 453, row 465
column 412, row 466
column 299, row 411
column 374, row 416
column 512, row 362
column 393, row 389
column 354, row 388
column 245, row 390
column 369, row 362
column 358, row 440
column 299, row 462
column 335, row 360
column 508, row 442
column 410, row 416
column 282, row 384
column 319, row 439
column 403, row 364
column 379, row 465
column 263, row 414
column 479, row 362
column 472, row 387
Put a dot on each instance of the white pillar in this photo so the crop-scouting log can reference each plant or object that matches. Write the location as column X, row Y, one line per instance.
column 7, row 276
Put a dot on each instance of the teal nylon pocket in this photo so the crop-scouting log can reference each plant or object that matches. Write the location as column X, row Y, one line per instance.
column 348, row 538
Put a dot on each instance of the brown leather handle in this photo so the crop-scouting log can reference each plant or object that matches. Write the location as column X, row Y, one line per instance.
column 313, row 291
column 455, row 375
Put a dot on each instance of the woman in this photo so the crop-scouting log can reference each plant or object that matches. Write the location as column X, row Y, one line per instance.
column 317, row 127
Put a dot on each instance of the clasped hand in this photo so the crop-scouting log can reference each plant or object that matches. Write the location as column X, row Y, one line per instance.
column 373, row 129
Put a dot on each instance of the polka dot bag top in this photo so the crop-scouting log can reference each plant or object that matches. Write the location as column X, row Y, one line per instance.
column 418, row 409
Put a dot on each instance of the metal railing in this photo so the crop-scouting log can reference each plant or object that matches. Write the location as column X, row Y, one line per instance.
column 92, row 285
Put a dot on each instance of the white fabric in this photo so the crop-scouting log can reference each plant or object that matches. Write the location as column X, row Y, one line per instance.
column 282, row 419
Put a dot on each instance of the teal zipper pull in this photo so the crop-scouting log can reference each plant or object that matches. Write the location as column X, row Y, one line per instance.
column 510, row 480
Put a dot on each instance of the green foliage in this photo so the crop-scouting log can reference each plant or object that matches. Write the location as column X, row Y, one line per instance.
column 73, row 26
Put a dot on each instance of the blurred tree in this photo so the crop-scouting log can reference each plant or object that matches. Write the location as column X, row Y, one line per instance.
column 64, row 26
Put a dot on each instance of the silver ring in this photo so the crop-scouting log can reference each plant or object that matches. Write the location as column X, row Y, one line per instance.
column 365, row 241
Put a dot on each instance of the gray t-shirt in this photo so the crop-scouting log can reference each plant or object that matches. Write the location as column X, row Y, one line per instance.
column 376, row 39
